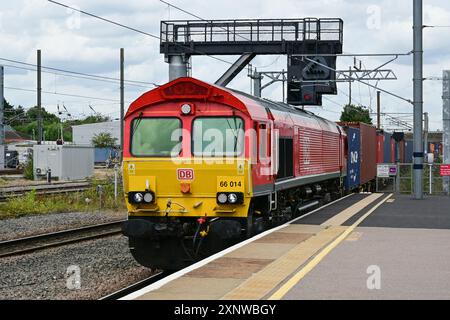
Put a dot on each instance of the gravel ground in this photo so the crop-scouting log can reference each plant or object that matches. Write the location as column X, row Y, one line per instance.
column 38, row 224
column 105, row 266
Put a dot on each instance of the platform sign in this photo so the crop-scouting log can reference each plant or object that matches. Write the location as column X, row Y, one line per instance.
column 383, row 171
column 386, row 170
column 392, row 170
column 445, row 170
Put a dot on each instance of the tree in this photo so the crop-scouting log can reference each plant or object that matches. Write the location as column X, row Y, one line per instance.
column 26, row 122
column 352, row 113
column 89, row 119
column 13, row 116
column 104, row 140
column 47, row 117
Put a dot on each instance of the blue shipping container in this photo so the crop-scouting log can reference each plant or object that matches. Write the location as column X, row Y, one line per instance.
column 102, row 154
column 396, row 153
column 409, row 151
column 387, row 148
column 353, row 158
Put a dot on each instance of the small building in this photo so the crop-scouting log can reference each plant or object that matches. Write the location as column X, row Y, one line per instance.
column 64, row 162
column 83, row 134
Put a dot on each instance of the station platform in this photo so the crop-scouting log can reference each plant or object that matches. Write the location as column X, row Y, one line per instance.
column 363, row 246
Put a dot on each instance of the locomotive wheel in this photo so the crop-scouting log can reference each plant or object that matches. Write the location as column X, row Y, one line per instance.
column 254, row 225
column 249, row 228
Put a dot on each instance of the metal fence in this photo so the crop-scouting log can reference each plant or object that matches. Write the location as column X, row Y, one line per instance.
column 403, row 182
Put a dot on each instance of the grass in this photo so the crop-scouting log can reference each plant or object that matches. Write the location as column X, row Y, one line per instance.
column 86, row 201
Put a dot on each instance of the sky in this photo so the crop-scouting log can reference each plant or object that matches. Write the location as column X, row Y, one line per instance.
column 79, row 43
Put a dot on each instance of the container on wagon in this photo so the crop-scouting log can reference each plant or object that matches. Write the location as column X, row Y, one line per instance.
column 353, row 159
column 409, row 151
column 387, row 148
column 368, row 154
column 380, row 147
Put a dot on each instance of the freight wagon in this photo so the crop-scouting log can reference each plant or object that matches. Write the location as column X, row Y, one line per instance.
column 368, row 150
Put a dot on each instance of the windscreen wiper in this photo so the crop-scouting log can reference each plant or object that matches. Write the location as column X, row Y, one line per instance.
column 137, row 122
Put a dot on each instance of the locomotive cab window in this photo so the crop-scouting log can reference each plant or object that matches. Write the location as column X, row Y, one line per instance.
column 217, row 136
column 156, row 137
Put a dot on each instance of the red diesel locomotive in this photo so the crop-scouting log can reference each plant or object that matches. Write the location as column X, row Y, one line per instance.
column 205, row 166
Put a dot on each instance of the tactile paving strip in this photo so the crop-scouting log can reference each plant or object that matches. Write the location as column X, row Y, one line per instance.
column 262, row 283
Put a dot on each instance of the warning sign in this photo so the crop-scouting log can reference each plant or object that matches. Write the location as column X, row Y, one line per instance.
column 445, row 170
column 386, row 170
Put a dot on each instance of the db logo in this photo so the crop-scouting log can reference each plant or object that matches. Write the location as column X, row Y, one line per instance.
column 185, row 174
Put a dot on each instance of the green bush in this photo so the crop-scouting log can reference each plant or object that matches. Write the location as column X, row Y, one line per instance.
column 28, row 169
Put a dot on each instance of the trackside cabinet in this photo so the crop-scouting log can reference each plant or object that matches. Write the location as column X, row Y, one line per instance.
column 66, row 162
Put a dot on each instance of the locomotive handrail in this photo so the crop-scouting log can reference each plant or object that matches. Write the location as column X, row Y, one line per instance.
column 225, row 210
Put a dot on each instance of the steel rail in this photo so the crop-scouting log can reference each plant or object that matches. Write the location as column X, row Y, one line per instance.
column 136, row 286
column 12, row 192
column 55, row 239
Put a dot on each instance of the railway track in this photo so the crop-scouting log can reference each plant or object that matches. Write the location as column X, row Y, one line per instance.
column 136, row 286
column 55, row 239
column 43, row 189
column 5, row 172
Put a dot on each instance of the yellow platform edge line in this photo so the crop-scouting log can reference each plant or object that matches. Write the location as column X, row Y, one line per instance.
column 281, row 292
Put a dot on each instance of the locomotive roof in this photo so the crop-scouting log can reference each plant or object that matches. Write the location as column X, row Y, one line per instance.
column 281, row 106
column 193, row 89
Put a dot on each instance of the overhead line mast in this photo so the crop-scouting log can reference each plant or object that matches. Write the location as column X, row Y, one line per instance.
column 418, row 99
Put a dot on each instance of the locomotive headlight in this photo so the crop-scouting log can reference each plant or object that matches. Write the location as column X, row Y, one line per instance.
column 148, row 197
column 232, row 198
column 222, row 198
column 186, row 109
column 138, row 197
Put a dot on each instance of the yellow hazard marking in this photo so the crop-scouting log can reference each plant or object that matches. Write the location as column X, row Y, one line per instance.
column 349, row 212
column 281, row 292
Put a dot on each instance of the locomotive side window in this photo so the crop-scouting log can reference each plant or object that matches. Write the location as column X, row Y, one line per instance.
column 156, row 137
column 217, row 136
column 264, row 142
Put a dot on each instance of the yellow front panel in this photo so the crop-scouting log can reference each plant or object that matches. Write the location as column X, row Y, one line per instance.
column 209, row 176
